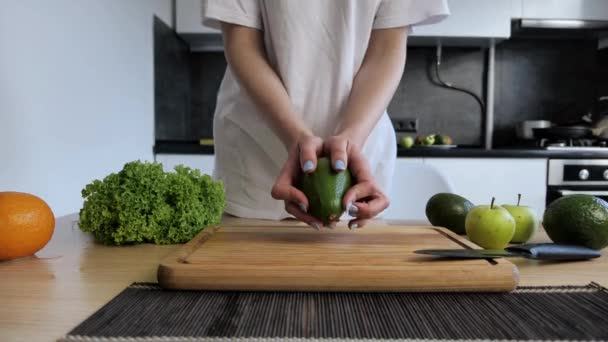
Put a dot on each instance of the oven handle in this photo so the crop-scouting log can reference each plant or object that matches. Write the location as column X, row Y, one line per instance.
column 575, row 192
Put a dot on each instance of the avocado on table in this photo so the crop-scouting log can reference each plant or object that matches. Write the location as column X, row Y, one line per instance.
column 578, row 219
column 448, row 210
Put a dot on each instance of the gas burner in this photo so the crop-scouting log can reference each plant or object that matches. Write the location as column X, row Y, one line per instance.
column 578, row 148
column 572, row 144
column 557, row 144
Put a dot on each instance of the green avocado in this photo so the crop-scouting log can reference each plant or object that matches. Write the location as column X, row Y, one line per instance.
column 324, row 189
column 578, row 220
column 449, row 211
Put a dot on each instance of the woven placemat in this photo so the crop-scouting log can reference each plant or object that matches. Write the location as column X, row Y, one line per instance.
column 145, row 312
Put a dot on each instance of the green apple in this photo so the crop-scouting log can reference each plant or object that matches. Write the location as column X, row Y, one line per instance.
column 429, row 139
column 490, row 226
column 407, row 142
column 526, row 221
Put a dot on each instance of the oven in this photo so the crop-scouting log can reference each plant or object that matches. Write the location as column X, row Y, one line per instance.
column 577, row 176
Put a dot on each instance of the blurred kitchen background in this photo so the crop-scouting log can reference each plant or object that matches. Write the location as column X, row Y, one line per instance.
column 88, row 86
column 547, row 66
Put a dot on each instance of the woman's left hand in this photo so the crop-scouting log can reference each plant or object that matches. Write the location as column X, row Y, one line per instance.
column 364, row 200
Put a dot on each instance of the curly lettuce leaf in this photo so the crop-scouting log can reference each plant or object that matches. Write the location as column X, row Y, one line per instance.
column 144, row 204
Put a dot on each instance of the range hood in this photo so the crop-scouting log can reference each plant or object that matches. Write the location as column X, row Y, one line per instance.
column 559, row 28
column 563, row 24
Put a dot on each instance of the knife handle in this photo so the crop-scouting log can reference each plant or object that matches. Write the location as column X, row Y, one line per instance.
column 552, row 251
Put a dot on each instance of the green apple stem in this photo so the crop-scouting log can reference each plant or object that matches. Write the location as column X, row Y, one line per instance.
column 492, row 204
column 518, row 199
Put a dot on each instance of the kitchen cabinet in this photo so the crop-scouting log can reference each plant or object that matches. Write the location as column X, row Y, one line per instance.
column 203, row 162
column 565, row 9
column 516, row 8
column 408, row 190
column 189, row 26
column 469, row 21
column 188, row 14
column 480, row 179
column 472, row 19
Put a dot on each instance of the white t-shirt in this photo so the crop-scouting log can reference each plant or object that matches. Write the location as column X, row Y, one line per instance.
column 316, row 47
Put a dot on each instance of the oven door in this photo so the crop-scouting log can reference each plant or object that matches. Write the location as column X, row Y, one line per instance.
column 554, row 193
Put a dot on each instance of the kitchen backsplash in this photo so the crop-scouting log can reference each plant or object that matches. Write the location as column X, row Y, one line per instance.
column 556, row 80
column 535, row 79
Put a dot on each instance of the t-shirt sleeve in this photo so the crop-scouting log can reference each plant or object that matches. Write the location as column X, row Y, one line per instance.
column 239, row 12
column 399, row 13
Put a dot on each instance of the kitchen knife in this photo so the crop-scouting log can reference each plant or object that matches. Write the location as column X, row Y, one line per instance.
column 537, row 251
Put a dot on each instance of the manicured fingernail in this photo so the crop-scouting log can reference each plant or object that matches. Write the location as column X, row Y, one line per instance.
column 352, row 210
column 353, row 226
column 308, row 166
column 340, row 165
column 302, row 207
column 316, row 226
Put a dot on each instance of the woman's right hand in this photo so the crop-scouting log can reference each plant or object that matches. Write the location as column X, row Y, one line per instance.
column 302, row 157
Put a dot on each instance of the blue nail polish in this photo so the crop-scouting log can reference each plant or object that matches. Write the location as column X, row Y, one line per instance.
column 308, row 165
column 340, row 165
column 353, row 210
column 302, row 207
column 354, row 226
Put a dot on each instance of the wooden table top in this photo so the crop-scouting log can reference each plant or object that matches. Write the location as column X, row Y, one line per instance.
column 45, row 296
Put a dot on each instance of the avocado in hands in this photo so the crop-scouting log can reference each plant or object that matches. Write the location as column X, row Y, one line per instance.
column 324, row 188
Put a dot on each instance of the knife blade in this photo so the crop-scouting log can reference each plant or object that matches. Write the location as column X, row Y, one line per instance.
column 536, row 251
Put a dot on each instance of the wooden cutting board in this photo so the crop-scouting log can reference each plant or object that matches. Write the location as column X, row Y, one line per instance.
column 302, row 259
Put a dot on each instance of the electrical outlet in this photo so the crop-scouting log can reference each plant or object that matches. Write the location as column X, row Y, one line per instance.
column 409, row 125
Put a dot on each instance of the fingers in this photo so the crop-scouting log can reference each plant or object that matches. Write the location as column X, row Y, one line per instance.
column 309, row 147
column 358, row 166
column 289, row 193
column 365, row 201
column 289, row 170
column 297, row 212
column 356, row 192
column 337, row 149
column 356, row 224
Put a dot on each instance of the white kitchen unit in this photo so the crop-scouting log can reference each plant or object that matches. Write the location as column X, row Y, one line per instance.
column 411, row 187
column 472, row 19
column 417, row 179
column 480, row 179
column 188, row 15
column 516, row 8
column 203, row 162
column 565, row 9
column 188, row 24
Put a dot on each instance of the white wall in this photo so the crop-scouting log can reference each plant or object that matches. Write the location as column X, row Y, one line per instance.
column 76, row 93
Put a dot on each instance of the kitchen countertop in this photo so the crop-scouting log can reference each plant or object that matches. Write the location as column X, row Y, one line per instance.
column 44, row 297
column 420, row 152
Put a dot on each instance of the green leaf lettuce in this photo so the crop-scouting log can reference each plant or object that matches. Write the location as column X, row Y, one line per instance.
column 144, row 204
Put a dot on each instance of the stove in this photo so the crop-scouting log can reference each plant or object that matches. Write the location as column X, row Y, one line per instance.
column 577, row 148
column 573, row 175
column 577, row 176
column 582, row 145
column 568, row 144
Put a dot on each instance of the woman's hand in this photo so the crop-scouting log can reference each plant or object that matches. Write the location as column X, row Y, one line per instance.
column 302, row 157
column 364, row 200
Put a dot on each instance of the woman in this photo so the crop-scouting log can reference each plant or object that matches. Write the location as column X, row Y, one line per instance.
column 306, row 78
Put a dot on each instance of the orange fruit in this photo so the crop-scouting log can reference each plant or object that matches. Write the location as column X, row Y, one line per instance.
column 26, row 224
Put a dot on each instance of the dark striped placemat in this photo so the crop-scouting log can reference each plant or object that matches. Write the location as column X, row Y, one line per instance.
column 145, row 312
